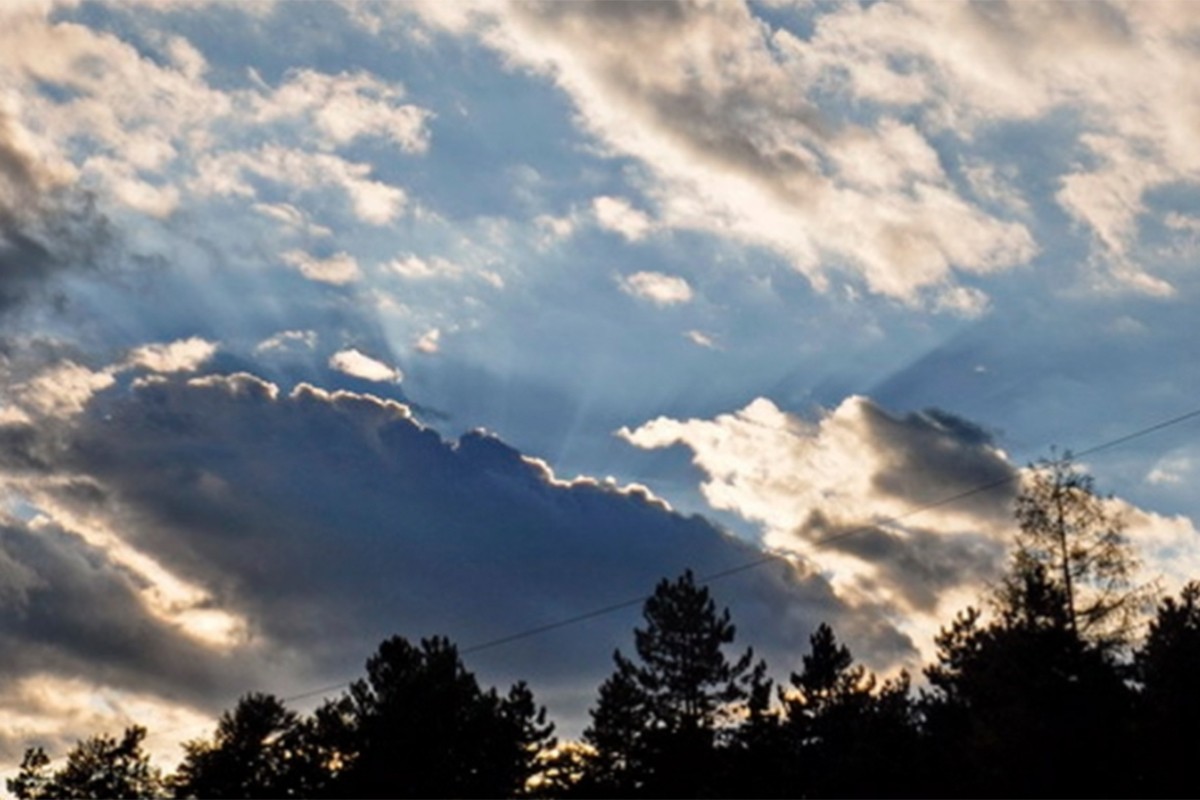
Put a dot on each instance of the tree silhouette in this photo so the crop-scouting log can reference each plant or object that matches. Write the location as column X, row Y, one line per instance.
column 1020, row 705
column 758, row 756
column 1167, row 666
column 420, row 726
column 97, row 767
column 1070, row 531
column 847, row 734
column 656, row 722
column 259, row 750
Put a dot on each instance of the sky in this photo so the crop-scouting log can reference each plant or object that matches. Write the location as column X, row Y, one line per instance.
column 326, row 321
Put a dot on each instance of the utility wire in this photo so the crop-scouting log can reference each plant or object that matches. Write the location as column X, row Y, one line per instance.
column 758, row 562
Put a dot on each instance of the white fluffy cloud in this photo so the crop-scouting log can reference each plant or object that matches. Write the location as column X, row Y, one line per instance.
column 429, row 342
column 657, row 288
column 359, row 365
column 712, row 102
column 185, row 355
column 287, row 340
column 225, row 174
column 63, row 389
column 968, row 66
column 143, row 128
column 616, row 214
column 414, row 267
column 337, row 269
column 347, row 106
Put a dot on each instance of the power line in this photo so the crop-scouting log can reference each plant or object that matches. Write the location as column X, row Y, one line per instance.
column 766, row 559
column 758, row 562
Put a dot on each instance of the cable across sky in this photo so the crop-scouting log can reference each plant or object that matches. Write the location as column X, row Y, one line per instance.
column 631, row 602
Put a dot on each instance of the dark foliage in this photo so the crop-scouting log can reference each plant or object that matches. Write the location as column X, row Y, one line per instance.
column 261, row 749
column 1168, row 667
column 846, row 734
column 1022, row 706
column 658, row 722
column 100, row 766
column 420, row 726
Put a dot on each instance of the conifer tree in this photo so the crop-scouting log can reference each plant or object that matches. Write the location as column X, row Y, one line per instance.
column 846, row 733
column 657, row 721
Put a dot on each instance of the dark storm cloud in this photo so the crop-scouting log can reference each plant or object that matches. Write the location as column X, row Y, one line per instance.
column 331, row 520
column 932, row 455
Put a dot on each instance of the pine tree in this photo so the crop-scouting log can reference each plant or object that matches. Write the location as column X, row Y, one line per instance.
column 421, row 726
column 847, row 734
column 657, row 722
column 1167, row 666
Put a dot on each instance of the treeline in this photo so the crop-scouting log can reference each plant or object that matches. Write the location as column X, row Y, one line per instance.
column 1070, row 680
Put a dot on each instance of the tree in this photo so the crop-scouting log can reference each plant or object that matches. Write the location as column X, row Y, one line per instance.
column 758, row 757
column 1167, row 665
column 1073, row 534
column 1020, row 705
column 258, row 751
column 847, row 734
column 97, row 767
column 420, row 726
column 656, row 723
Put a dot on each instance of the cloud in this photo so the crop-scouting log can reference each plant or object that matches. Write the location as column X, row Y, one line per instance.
column 63, row 389
column 554, row 229
column 185, row 355
column 616, row 214
column 702, row 339
column 862, row 493
column 657, row 288
column 338, row 269
column 850, row 492
column 45, row 229
column 962, row 301
column 292, row 218
column 816, row 139
column 81, row 614
column 414, row 267
column 225, row 174
column 358, row 365
column 287, row 340
column 970, row 67
column 1170, row 471
column 430, row 341
column 157, row 130
column 348, row 106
